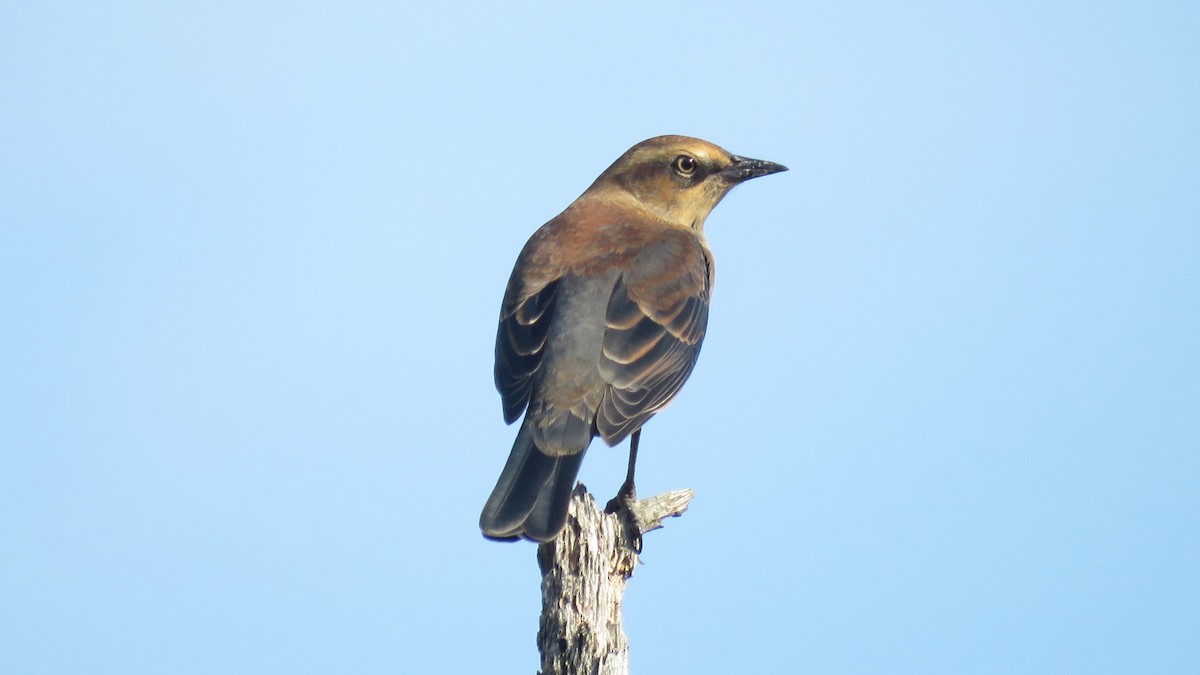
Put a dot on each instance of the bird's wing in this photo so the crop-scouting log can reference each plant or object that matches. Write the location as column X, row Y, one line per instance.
column 520, row 341
column 656, row 320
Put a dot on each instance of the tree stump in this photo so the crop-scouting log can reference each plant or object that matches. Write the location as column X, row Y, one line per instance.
column 584, row 572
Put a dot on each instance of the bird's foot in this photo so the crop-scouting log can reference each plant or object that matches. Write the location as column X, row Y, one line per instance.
column 623, row 505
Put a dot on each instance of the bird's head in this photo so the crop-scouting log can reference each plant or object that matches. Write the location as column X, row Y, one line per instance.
column 679, row 178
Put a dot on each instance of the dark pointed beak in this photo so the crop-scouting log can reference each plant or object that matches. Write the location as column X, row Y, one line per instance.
column 744, row 168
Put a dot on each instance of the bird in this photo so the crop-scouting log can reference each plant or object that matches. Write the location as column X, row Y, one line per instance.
column 602, row 321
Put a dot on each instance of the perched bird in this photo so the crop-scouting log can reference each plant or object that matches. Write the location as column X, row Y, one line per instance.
column 603, row 319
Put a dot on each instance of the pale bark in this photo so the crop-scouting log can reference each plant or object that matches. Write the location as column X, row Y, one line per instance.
column 584, row 572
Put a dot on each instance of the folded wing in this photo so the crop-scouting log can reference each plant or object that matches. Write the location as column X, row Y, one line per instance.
column 520, row 343
column 653, row 338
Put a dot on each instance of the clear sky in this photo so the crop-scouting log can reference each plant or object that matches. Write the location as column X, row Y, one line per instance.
column 947, row 418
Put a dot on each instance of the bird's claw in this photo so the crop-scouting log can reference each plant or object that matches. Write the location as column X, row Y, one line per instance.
column 623, row 504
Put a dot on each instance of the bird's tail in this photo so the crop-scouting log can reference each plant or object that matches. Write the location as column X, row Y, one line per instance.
column 532, row 494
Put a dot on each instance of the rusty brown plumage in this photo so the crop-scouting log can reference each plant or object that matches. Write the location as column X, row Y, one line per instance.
column 603, row 320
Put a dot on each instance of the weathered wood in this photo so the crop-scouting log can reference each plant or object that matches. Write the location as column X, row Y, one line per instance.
column 584, row 572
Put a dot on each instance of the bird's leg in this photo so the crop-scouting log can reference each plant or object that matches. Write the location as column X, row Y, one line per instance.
column 627, row 495
column 628, row 491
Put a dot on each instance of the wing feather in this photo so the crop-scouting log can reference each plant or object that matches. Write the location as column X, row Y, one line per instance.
column 648, row 354
column 520, row 343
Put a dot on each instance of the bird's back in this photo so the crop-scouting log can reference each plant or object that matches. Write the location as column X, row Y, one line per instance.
column 568, row 387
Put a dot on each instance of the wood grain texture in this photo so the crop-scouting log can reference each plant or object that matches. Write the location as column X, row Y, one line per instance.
column 585, row 571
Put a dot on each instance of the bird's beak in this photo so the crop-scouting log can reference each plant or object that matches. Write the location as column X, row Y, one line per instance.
column 744, row 168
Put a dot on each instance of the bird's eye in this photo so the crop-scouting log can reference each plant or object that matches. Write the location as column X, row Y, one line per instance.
column 685, row 166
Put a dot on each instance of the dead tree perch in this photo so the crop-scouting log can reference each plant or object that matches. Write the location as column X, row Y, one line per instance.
column 584, row 571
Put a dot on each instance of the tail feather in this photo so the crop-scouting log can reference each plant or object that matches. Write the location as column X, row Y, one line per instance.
column 532, row 493
column 550, row 512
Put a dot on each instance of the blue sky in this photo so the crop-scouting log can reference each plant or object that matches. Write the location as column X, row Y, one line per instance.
column 947, row 418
